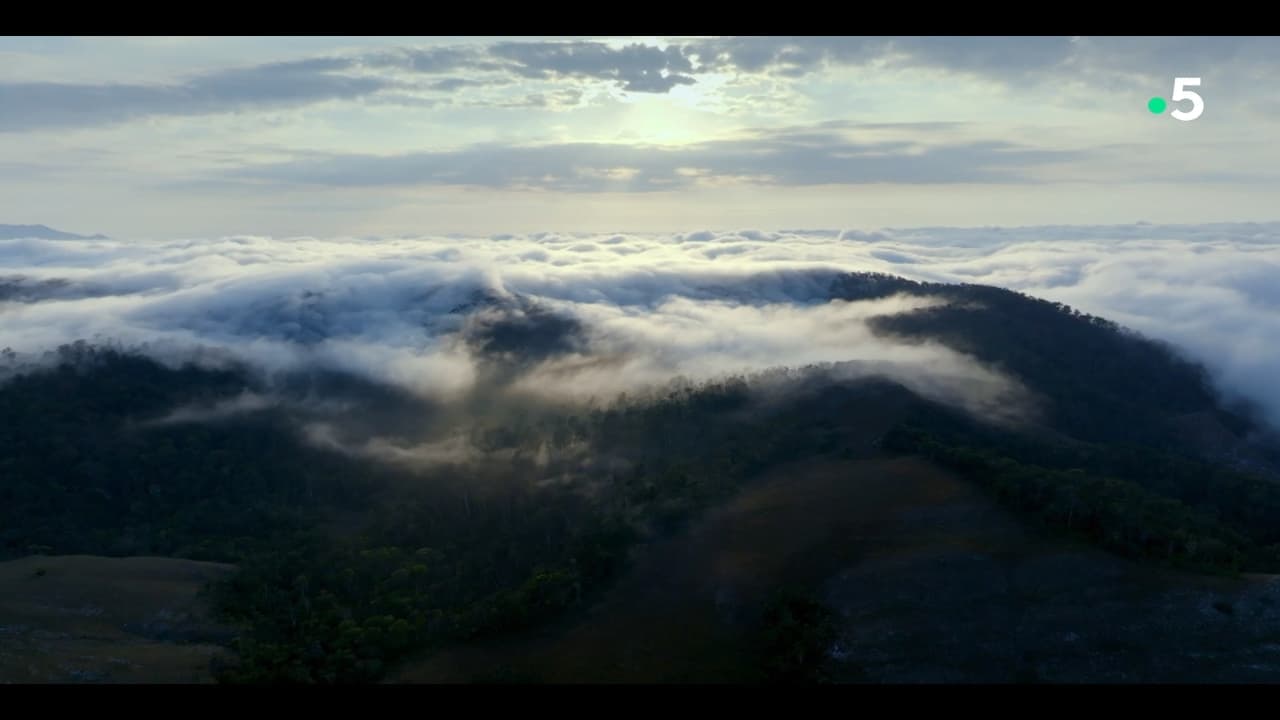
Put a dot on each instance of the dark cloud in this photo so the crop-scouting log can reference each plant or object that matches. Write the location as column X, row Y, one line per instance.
column 790, row 56
column 432, row 60
column 1008, row 59
column 635, row 67
column 453, row 83
column 797, row 56
column 1108, row 60
column 25, row 106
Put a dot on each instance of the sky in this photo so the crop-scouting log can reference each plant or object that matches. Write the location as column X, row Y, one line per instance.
column 159, row 137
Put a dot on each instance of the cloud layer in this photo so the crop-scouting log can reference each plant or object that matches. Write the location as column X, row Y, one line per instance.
column 655, row 67
column 583, row 315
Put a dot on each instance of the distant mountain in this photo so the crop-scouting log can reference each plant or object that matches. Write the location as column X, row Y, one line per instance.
column 44, row 232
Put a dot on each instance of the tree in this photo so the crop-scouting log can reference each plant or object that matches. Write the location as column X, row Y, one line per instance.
column 798, row 632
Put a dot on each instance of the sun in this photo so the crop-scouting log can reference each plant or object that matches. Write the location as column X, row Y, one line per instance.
column 684, row 115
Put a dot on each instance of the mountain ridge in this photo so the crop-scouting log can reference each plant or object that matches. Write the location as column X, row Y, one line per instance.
column 42, row 232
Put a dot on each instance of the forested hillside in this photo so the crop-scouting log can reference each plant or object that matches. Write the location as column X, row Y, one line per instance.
column 348, row 564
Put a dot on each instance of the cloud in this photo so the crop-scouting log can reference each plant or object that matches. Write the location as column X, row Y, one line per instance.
column 453, row 83
column 1234, row 66
column 442, row 317
column 572, row 316
column 430, row 60
column 820, row 156
column 1111, row 62
column 244, row 403
column 635, row 67
column 386, row 76
column 37, row 105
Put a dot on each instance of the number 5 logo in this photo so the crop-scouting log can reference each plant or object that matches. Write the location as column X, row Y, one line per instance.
column 1181, row 93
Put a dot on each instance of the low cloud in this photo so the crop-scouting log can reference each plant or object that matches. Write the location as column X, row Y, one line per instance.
column 244, row 403
column 571, row 316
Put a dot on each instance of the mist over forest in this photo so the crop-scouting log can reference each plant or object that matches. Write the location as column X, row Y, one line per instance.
column 624, row 310
column 410, row 445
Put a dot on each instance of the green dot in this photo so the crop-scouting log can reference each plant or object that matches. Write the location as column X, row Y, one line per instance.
column 1156, row 105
